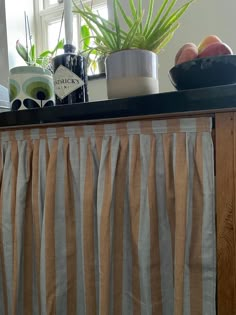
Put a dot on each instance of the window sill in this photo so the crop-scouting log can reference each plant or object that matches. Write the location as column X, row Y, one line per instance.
column 96, row 76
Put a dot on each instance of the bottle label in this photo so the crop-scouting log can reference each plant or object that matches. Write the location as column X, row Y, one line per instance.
column 66, row 82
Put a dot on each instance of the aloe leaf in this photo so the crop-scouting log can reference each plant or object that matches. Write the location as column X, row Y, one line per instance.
column 93, row 51
column 139, row 41
column 151, row 35
column 126, row 18
column 169, row 21
column 99, row 26
column 177, row 14
column 103, row 35
column 149, row 15
column 111, row 35
column 140, row 13
column 168, row 10
column 98, row 21
column 154, row 45
column 161, row 17
column 164, row 42
column 128, row 43
column 160, row 12
column 132, row 8
column 102, row 27
column 93, row 16
column 117, row 25
column 112, row 39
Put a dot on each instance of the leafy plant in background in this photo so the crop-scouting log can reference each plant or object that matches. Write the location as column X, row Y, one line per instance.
column 149, row 32
column 91, row 54
column 43, row 60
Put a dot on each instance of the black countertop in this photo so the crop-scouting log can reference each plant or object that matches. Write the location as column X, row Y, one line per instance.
column 185, row 102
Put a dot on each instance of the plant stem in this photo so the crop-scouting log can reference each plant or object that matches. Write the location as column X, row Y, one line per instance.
column 59, row 36
column 29, row 32
column 26, row 37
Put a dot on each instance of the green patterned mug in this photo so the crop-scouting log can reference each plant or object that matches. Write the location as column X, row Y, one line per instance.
column 31, row 87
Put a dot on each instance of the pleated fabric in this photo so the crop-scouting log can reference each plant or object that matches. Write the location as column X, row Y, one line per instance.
column 108, row 219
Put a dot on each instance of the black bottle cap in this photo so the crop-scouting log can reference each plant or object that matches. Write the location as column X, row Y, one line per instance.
column 68, row 48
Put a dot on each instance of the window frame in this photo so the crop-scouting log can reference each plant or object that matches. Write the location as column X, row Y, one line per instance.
column 45, row 14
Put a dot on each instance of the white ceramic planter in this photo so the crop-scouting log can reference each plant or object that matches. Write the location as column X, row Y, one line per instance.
column 132, row 72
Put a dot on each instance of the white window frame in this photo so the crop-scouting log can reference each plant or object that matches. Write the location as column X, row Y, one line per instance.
column 46, row 14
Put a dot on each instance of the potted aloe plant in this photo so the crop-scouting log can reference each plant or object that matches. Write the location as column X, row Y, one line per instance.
column 132, row 51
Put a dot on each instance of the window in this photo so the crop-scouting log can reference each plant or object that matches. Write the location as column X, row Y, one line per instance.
column 48, row 15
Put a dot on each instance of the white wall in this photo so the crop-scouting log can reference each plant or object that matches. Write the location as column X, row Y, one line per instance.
column 203, row 18
column 97, row 90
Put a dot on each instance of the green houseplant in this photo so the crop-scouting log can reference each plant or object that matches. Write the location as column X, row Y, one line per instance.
column 143, row 36
column 34, row 81
column 94, row 58
column 43, row 59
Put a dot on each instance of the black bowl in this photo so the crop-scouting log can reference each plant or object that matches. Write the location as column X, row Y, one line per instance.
column 204, row 72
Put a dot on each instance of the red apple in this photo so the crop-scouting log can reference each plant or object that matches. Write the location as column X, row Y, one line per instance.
column 187, row 52
column 216, row 49
column 209, row 40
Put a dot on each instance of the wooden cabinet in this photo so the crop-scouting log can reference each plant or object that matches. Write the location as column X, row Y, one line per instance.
column 225, row 163
column 218, row 103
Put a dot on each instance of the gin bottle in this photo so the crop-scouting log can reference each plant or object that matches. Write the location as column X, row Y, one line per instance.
column 70, row 77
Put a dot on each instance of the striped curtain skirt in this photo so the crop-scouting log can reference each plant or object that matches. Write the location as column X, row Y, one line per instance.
column 108, row 219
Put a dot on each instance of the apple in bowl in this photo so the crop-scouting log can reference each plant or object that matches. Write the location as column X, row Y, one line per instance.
column 212, row 45
column 211, row 63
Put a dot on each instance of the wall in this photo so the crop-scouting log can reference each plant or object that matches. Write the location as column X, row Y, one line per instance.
column 3, row 46
column 204, row 17
column 97, row 90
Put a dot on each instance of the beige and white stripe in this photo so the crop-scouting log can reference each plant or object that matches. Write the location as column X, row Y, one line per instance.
column 108, row 219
